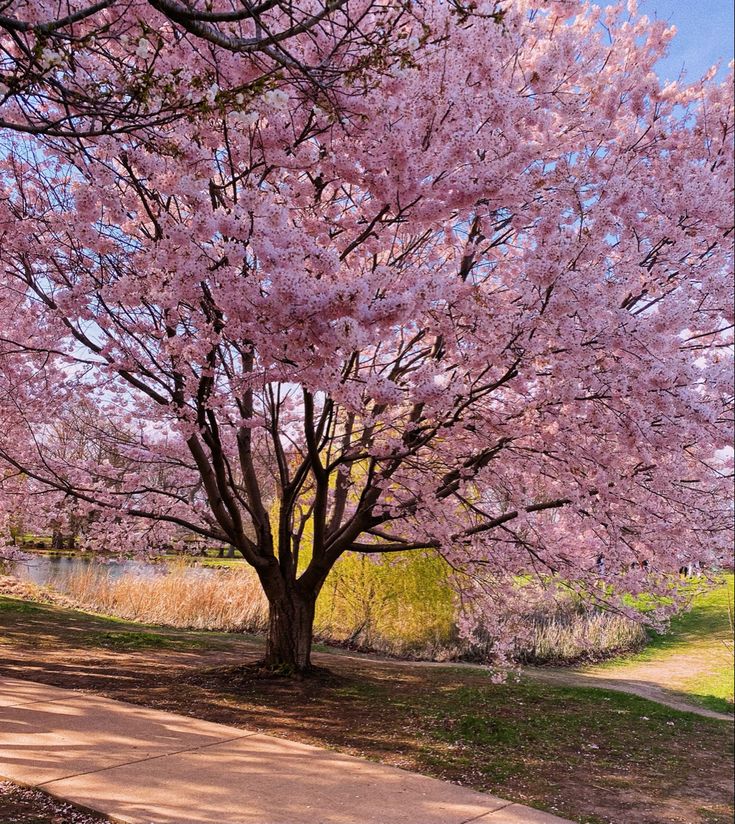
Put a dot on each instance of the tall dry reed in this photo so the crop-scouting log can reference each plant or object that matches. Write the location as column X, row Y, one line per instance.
column 579, row 634
column 228, row 600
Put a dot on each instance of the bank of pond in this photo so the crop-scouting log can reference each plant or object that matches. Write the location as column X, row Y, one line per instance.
column 406, row 608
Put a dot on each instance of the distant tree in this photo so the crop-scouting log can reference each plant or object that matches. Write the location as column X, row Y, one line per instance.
column 471, row 297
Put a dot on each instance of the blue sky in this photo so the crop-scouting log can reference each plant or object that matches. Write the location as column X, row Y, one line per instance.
column 705, row 34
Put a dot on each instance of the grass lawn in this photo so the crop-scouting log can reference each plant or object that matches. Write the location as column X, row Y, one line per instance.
column 695, row 658
column 590, row 755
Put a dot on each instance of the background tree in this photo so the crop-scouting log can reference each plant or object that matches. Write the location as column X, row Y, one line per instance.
column 473, row 301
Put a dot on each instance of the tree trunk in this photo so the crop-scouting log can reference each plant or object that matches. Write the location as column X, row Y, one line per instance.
column 290, row 630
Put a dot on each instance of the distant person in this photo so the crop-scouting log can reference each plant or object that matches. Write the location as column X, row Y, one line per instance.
column 691, row 570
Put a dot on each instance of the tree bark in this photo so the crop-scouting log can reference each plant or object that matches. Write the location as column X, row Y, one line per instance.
column 290, row 631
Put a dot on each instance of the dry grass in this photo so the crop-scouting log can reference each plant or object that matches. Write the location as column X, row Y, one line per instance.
column 227, row 600
column 28, row 591
column 579, row 633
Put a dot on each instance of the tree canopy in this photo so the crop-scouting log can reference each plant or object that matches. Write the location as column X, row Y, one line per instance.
column 441, row 278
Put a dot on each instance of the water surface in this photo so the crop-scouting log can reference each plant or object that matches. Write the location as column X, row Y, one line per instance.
column 55, row 570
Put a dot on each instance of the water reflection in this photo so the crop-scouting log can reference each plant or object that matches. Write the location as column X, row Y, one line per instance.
column 55, row 570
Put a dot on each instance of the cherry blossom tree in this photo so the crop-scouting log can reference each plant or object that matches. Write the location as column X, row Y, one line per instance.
column 85, row 68
column 473, row 298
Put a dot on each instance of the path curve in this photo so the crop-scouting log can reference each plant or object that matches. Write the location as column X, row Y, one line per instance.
column 561, row 677
column 641, row 688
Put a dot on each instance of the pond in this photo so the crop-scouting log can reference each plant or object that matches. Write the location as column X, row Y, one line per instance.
column 54, row 570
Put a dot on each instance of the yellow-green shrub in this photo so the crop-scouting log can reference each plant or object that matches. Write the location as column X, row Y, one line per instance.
column 401, row 605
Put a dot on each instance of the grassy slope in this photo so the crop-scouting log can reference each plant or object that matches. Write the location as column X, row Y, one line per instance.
column 704, row 637
column 588, row 754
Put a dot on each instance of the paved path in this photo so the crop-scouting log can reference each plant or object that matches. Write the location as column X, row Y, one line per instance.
column 142, row 766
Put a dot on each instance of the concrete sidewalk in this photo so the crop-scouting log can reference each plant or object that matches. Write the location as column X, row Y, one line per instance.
column 142, row 766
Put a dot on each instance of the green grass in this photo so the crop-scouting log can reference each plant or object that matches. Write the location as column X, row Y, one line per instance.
column 709, row 618
column 497, row 732
column 716, row 690
column 221, row 562
column 706, row 693
column 469, row 715
column 131, row 640
column 16, row 606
